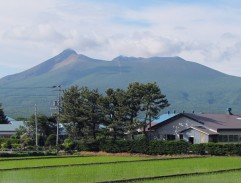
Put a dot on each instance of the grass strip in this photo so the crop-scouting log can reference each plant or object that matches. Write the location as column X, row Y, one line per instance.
column 170, row 176
column 94, row 163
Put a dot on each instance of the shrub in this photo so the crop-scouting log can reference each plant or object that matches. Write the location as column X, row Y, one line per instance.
column 16, row 146
column 198, row 149
column 152, row 147
column 69, row 145
column 51, row 140
column 26, row 141
column 216, row 149
column 88, row 145
column 139, row 146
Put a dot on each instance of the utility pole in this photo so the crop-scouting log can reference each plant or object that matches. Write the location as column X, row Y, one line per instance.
column 36, row 125
column 58, row 119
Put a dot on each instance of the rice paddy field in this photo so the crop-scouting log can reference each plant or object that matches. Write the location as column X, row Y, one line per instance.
column 110, row 168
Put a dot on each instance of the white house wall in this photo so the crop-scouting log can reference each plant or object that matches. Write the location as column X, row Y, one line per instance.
column 198, row 137
column 175, row 127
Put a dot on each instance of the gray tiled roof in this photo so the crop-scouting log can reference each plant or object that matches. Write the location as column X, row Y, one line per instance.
column 201, row 129
column 204, row 130
column 12, row 126
column 217, row 121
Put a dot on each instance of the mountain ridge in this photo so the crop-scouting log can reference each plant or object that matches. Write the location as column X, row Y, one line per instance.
column 188, row 85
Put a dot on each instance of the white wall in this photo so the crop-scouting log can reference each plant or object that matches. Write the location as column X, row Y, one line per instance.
column 199, row 137
column 175, row 127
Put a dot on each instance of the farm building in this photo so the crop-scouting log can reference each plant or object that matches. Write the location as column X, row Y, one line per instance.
column 198, row 128
column 7, row 130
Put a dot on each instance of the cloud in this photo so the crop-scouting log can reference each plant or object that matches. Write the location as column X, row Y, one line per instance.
column 202, row 32
column 38, row 33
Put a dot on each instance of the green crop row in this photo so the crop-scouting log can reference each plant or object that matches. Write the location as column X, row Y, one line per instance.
column 63, row 161
column 231, row 177
column 109, row 172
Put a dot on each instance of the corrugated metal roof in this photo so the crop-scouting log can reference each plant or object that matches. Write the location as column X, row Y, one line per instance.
column 164, row 117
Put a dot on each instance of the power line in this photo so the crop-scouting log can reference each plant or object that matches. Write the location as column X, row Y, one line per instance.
column 33, row 87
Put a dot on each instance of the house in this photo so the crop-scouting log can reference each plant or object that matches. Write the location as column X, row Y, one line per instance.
column 199, row 128
column 7, row 130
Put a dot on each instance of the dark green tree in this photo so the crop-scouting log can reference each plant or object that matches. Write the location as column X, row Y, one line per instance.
column 3, row 118
column 134, row 96
column 46, row 126
column 51, row 140
column 152, row 102
column 116, row 111
column 71, row 113
column 92, row 111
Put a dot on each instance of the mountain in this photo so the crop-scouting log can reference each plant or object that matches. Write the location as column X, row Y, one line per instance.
column 187, row 85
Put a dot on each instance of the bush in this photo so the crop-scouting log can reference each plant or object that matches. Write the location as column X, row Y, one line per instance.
column 156, row 147
column 69, row 145
column 152, row 147
column 139, row 146
column 216, row 149
column 16, row 146
column 88, row 145
column 51, row 140
column 117, row 146
column 26, row 141
column 198, row 149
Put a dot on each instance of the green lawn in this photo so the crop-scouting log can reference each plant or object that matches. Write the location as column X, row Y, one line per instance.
column 93, row 173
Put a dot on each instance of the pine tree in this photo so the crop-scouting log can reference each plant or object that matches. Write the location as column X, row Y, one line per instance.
column 92, row 111
column 71, row 114
column 152, row 102
column 3, row 118
column 134, row 96
column 116, row 111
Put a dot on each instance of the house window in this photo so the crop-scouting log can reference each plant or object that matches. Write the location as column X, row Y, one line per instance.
column 181, row 136
column 235, row 138
column 213, row 139
column 230, row 138
column 223, row 138
column 170, row 137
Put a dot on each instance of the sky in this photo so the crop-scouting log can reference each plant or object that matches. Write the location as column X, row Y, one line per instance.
column 204, row 31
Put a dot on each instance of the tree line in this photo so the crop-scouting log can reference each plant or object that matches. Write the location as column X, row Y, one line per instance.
column 88, row 114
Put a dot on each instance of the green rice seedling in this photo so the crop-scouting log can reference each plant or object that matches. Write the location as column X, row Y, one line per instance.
column 117, row 171
column 229, row 177
column 63, row 161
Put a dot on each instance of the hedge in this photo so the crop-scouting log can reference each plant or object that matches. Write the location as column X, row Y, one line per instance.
column 157, row 147
column 143, row 146
column 216, row 149
column 152, row 147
